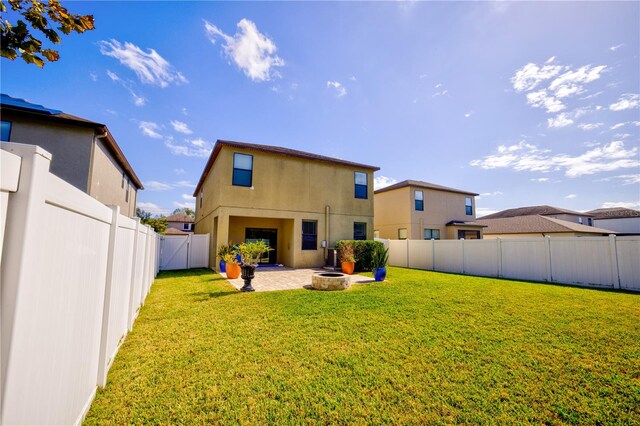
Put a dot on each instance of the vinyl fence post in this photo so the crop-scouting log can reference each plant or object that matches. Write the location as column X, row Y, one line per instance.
column 132, row 287
column 104, row 335
column 548, row 263
column 615, row 269
column 408, row 266
column 463, row 254
column 189, row 248
column 433, row 254
column 499, row 248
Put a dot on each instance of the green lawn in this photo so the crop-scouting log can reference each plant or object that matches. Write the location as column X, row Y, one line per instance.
column 422, row 347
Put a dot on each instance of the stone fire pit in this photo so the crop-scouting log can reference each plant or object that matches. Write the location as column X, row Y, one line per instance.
column 330, row 281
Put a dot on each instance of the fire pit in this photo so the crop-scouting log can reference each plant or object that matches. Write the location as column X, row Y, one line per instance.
column 330, row 281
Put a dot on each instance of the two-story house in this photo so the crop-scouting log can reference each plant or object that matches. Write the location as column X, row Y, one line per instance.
column 181, row 222
column 417, row 210
column 84, row 153
column 298, row 202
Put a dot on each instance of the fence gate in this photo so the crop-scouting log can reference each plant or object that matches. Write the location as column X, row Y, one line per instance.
column 184, row 251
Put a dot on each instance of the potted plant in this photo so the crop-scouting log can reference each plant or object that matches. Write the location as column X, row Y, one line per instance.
column 250, row 253
column 232, row 266
column 379, row 259
column 222, row 252
column 347, row 259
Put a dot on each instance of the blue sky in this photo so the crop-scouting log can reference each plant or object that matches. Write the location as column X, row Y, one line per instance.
column 524, row 103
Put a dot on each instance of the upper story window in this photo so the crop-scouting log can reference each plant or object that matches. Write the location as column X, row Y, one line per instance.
column 580, row 221
column 201, row 198
column 187, row 226
column 309, row 235
column 6, row 130
column 242, row 169
column 122, row 183
column 468, row 206
column 419, row 196
column 361, row 185
column 359, row 231
column 126, row 193
column 589, row 221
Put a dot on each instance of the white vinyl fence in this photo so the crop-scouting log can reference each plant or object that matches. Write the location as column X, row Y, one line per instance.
column 184, row 251
column 607, row 262
column 74, row 274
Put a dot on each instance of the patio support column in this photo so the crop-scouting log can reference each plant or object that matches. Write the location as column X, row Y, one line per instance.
column 222, row 232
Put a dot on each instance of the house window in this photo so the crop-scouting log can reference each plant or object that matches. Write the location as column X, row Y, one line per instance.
column 431, row 234
column 186, row 226
column 242, row 169
column 580, row 220
column 309, row 235
column 361, row 185
column 469, row 235
column 122, row 183
column 402, row 233
column 468, row 204
column 6, row 130
column 419, row 196
column 126, row 193
column 201, row 198
column 359, row 231
column 590, row 221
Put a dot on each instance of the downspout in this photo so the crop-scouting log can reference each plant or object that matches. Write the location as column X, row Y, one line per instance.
column 327, row 211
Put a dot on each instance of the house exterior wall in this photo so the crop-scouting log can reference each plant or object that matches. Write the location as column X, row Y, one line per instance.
column 70, row 146
column 177, row 225
column 286, row 190
column 106, row 182
column 626, row 225
column 541, row 235
column 571, row 218
column 395, row 209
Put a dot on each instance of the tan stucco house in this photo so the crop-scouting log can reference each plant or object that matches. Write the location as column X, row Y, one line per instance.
column 84, row 153
column 531, row 226
column 417, row 210
column 301, row 203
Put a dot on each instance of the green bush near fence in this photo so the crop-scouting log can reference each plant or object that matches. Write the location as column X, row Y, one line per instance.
column 363, row 250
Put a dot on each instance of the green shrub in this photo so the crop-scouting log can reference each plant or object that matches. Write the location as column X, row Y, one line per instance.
column 363, row 251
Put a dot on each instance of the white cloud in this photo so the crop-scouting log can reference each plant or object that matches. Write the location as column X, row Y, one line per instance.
column 528, row 77
column 572, row 82
column 353, row 78
column 253, row 52
column 527, row 157
column 150, row 67
column 616, row 47
column 93, row 76
column 626, row 101
column 444, row 92
column 188, row 197
column 154, row 185
column 179, row 171
column 590, row 126
column 631, row 179
column 625, row 204
column 619, row 136
column 340, row 89
column 138, row 99
column 541, row 99
column 189, row 148
column 561, row 120
column 468, row 114
column 152, row 208
column 185, row 111
column 488, row 194
column 383, row 181
column 593, row 95
column 570, row 196
column 539, row 180
column 149, row 128
column 185, row 205
column 617, row 126
column 181, row 127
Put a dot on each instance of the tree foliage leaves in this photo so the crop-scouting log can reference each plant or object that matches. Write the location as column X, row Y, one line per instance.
column 17, row 39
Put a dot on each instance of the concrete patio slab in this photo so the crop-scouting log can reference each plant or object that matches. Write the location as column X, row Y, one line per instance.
column 283, row 278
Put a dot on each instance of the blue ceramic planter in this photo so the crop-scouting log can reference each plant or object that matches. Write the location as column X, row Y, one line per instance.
column 380, row 274
column 223, row 266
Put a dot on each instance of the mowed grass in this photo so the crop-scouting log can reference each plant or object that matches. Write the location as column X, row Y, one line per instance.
column 422, row 347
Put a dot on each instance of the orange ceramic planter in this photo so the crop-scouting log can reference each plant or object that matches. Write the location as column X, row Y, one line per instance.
column 348, row 267
column 233, row 271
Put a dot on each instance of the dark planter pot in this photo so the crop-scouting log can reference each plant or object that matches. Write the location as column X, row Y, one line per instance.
column 223, row 266
column 380, row 274
column 248, row 273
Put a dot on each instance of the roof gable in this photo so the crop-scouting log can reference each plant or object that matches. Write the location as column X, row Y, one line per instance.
column 421, row 184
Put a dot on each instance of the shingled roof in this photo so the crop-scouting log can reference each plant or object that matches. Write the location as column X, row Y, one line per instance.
column 533, row 210
column 25, row 108
column 614, row 213
column 536, row 224
column 421, row 184
column 273, row 150
column 180, row 217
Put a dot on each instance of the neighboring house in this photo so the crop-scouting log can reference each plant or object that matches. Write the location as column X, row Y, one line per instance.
column 181, row 222
column 300, row 203
column 85, row 154
column 547, row 211
column 174, row 231
column 537, row 226
column 621, row 220
column 417, row 210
